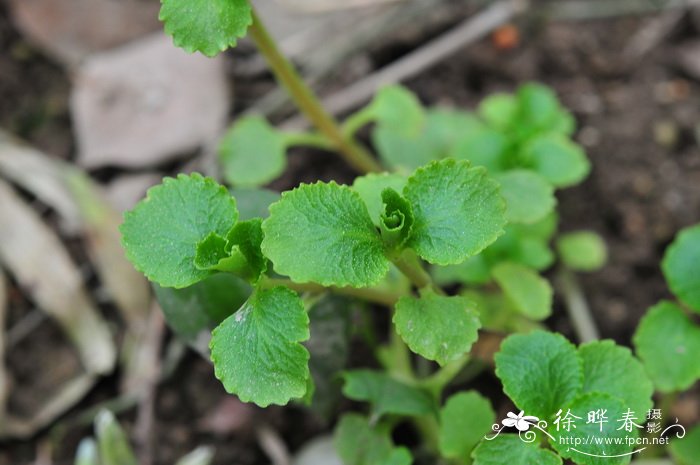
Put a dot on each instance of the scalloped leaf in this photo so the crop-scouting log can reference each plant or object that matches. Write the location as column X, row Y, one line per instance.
column 530, row 293
column 529, row 197
column 257, row 353
column 386, row 394
column 252, row 153
column 510, row 449
column 464, row 420
column 540, row 371
column 556, row 158
column 668, row 343
column 437, row 327
column 458, row 211
column 681, row 267
column 323, row 233
column 612, row 369
column 200, row 307
column 607, row 433
column 398, row 109
column 206, row 26
column 161, row 234
column 358, row 443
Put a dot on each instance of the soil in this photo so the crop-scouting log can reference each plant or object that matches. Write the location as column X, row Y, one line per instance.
column 639, row 120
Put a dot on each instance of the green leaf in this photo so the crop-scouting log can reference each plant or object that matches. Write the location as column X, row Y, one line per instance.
column 322, row 233
column 112, row 442
column 557, row 159
column 370, row 188
column 582, row 250
column 243, row 246
column 530, row 293
column 612, row 369
column 162, row 232
column 253, row 202
column 202, row 306
column 358, row 443
column 398, row 109
column 396, row 220
column 206, row 26
column 686, row 450
column 257, row 352
column 252, row 153
column 610, row 440
column 437, row 327
column 668, row 344
column 538, row 106
column 540, row 372
column 444, row 127
column 529, row 197
column 210, row 251
column 499, row 110
column 386, row 394
column 403, row 153
column 458, row 211
column 464, row 420
column 485, row 147
column 681, row 267
column 510, row 449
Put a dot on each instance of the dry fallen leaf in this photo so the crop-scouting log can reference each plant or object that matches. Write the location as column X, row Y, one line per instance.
column 147, row 102
column 71, row 29
column 35, row 256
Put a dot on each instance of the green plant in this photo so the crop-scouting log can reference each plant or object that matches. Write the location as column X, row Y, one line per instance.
column 451, row 238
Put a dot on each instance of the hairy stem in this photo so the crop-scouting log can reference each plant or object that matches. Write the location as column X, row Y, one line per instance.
column 308, row 103
column 410, row 266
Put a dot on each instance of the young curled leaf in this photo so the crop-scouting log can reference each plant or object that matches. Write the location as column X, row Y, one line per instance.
column 206, row 26
column 257, row 353
column 370, row 188
column 162, row 233
column 396, row 220
column 322, row 233
column 458, row 211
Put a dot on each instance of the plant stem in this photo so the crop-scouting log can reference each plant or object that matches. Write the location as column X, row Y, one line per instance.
column 436, row 382
column 308, row 139
column 410, row 266
column 351, row 151
column 577, row 307
column 354, row 122
column 376, row 296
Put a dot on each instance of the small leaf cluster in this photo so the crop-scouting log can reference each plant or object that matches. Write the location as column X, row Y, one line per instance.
column 187, row 230
column 544, row 374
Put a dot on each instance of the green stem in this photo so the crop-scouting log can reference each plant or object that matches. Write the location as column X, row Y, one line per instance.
column 351, row 151
column 436, row 382
column 369, row 294
column 308, row 139
column 410, row 266
column 357, row 120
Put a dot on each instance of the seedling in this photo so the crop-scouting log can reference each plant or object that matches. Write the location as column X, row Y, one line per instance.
column 457, row 201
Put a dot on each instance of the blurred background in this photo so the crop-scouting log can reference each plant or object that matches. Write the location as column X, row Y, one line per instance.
column 96, row 105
